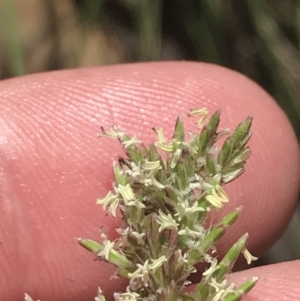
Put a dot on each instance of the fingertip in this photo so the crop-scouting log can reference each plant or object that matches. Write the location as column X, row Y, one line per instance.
column 275, row 282
column 54, row 166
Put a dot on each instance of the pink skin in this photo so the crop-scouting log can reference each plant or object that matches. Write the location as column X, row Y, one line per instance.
column 53, row 167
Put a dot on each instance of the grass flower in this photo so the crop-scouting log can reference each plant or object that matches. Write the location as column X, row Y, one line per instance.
column 165, row 193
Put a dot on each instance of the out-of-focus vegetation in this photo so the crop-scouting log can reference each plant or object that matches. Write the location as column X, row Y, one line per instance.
column 259, row 38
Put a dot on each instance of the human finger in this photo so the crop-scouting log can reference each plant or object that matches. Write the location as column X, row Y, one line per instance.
column 53, row 166
column 275, row 282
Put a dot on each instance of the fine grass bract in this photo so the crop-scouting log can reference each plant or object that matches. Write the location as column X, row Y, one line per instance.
column 165, row 193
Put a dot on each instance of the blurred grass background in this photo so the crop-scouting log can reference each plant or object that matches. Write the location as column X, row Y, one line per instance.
column 259, row 38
